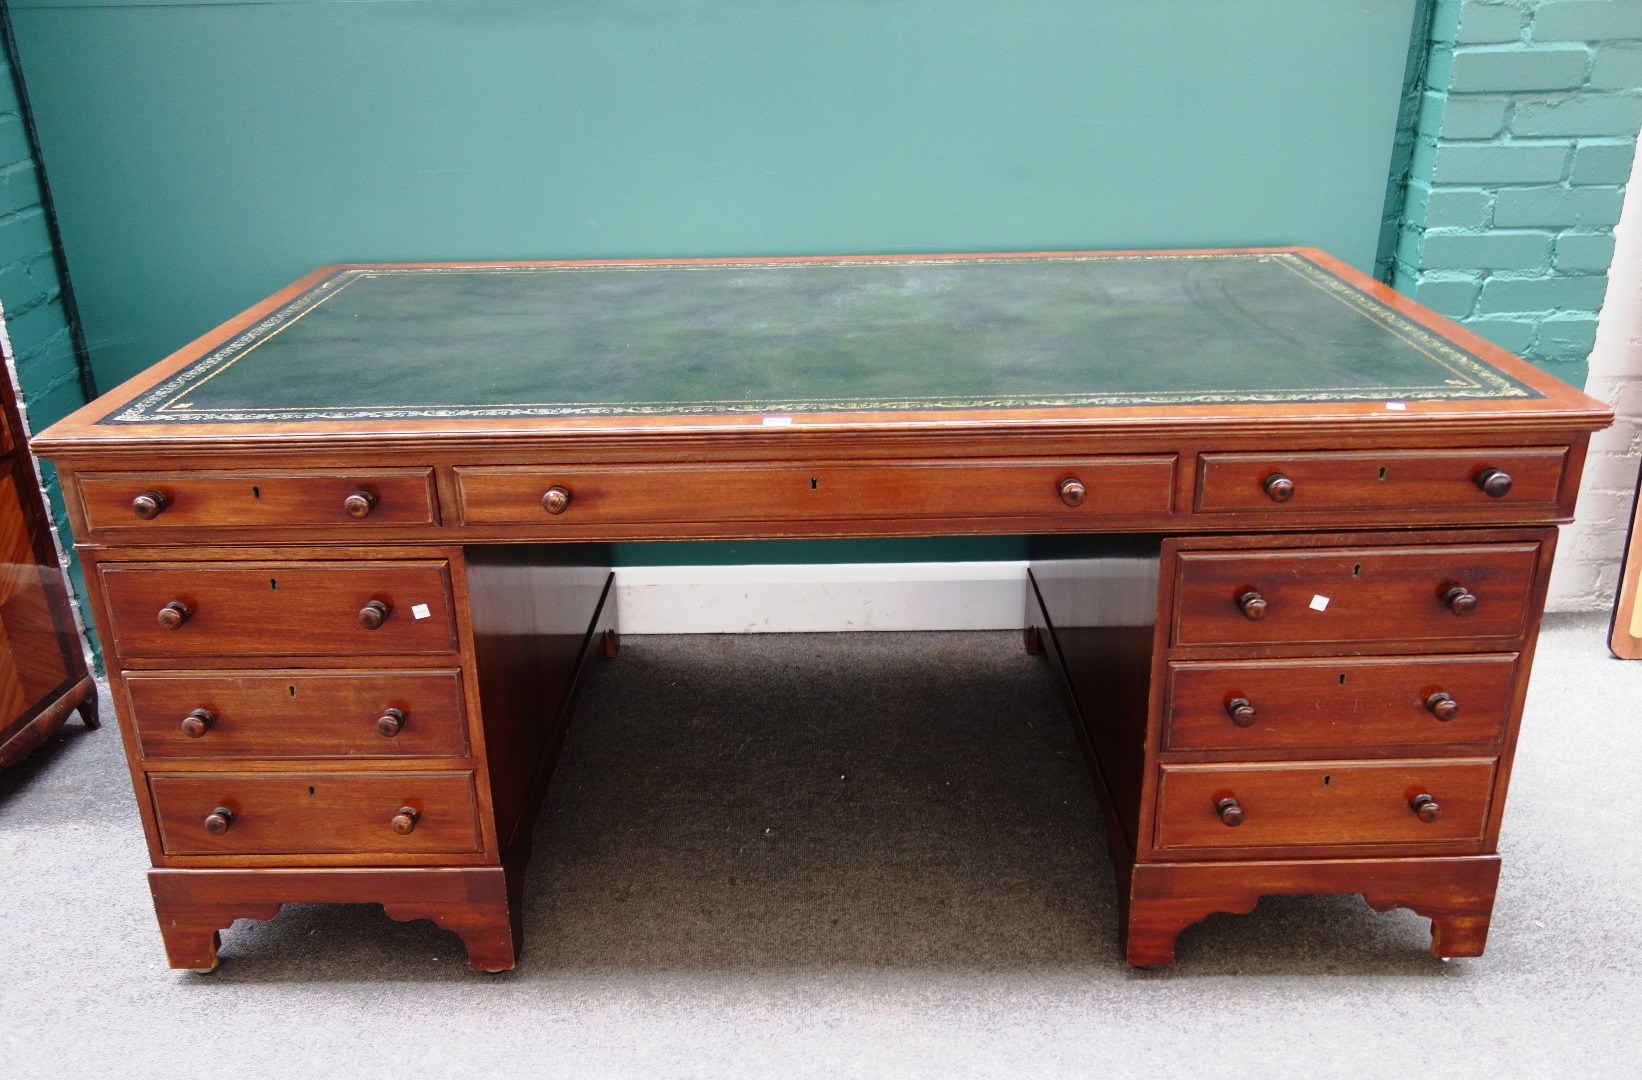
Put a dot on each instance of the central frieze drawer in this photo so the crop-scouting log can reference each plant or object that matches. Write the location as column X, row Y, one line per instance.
column 272, row 499
column 1081, row 488
column 316, row 813
column 1273, row 704
column 1338, row 595
column 284, row 609
column 1323, row 803
column 226, row 714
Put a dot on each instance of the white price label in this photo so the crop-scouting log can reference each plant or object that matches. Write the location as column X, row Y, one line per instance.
column 778, row 421
column 1319, row 603
column 1396, row 406
column 420, row 611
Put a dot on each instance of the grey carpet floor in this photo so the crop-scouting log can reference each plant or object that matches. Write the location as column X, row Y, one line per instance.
column 843, row 855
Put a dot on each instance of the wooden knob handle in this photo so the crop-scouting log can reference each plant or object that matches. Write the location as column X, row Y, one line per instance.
column 374, row 614
column 391, row 722
column 1072, row 491
column 1253, row 605
column 1442, row 706
column 556, row 499
column 1460, row 601
column 405, row 821
column 359, row 504
column 218, row 820
column 1229, row 811
column 1240, row 711
column 1279, row 488
column 1425, row 807
column 174, row 615
column 1495, row 483
column 149, row 505
column 197, row 723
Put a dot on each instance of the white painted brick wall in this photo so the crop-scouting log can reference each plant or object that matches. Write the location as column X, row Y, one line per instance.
column 1587, row 569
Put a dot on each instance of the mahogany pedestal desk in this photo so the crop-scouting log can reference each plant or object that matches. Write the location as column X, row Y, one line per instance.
column 1291, row 538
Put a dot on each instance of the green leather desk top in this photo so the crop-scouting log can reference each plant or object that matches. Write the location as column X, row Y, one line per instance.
column 384, row 343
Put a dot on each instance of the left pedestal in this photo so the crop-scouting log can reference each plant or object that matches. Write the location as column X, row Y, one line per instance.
column 345, row 725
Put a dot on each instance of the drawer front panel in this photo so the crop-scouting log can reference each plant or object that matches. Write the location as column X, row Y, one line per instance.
column 288, row 609
column 1111, row 487
column 298, row 714
column 1338, row 595
column 1272, row 704
column 1323, row 803
column 1422, row 480
column 268, row 499
column 316, row 813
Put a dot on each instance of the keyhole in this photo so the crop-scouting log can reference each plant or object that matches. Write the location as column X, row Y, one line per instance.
column 311, row 790
column 1342, row 678
column 1356, row 569
column 292, row 689
column 256, row 493
column 1382, row 473
column 813, row 483
column 272, row 584
column 1326, row 780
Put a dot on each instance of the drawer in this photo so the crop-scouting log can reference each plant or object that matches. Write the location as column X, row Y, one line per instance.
column 298, row 714
column 1339, row 595
column 1450, row 480
column 266, row 499
column 289, row 609
column 1280, row 704
column 316, row 813
column 1081, row 488
column 1323, row 804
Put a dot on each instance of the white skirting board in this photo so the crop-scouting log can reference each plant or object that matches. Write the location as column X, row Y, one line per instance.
column 827, row 597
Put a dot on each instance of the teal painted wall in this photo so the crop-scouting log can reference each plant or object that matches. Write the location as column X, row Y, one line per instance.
column 204, row 154
column 1522, row 146
column 37, row 304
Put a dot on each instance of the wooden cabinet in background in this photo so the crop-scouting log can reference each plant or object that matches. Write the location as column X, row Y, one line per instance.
column 42, row 668
column 1625, row 635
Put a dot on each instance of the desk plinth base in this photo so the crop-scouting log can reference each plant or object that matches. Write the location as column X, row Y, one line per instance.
column 1162, row 899
column 479, row 904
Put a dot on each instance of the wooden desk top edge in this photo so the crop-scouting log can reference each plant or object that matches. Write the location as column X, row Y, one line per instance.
column 1561, row 407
